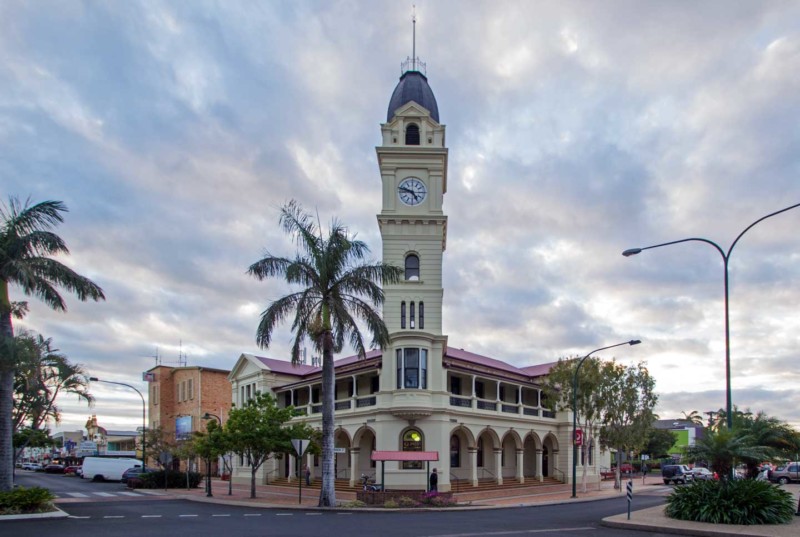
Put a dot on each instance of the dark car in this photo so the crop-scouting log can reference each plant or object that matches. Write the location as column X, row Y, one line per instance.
column 676, row 473
column 54, row 469
column 135, row 473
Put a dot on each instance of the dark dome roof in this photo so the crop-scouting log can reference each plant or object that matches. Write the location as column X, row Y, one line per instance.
column 413, row 86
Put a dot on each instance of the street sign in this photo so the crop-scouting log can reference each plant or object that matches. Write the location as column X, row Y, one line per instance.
column 339, row 450
column 645, row 457
column 165, row 457
column 578, row 437
column 300, row 445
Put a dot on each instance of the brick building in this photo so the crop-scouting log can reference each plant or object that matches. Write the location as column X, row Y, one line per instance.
column 180, row 396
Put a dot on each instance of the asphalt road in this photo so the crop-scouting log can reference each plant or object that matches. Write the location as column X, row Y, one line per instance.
column 110, row 515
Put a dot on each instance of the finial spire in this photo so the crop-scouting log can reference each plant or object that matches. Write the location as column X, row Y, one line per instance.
column 414, row 37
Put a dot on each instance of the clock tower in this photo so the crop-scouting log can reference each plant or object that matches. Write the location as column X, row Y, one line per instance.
column 413, row 164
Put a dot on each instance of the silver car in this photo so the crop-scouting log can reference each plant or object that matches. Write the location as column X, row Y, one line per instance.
column 702, row 474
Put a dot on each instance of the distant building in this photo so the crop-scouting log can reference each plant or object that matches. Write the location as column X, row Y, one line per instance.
column 686, row 434
column 180, row 396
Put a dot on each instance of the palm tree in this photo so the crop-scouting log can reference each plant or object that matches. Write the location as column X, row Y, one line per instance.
column 694, row 416
column 337, row 289
column 42, row 374
column 26, row 244
column 778, row 439
column 723, row 449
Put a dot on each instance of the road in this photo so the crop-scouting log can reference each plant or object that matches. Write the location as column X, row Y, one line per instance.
column 152, row 516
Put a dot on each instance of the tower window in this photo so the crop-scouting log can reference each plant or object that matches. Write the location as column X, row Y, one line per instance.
column 412, row 368
column 403, row 315
column 412, row 267
column 411, row 316
column 412, row 134
column 421, row 315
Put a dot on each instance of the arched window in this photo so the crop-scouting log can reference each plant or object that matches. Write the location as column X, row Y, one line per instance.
column 403, row 315
column 411, row 316
column 412, row 134
column 455, row 452
column 421, row 315
column 412, row 267
column 412, row 441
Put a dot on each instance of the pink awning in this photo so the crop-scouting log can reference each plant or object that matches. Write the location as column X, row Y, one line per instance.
column 405, row 456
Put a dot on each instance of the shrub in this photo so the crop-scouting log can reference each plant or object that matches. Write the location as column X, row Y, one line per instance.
column 354, row 503
column 744, row 502
column 22, row 500
column 434, row 499
column 390, row 504
column 405, row 501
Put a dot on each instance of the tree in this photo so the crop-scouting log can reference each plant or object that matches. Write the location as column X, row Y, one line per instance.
column 558, row 387
column 159, row 442
column 629, row 401
column 659, row 443
column 26, row 244
column 722, row 449
column 779, row 440
column 337, row 289
column 694, row 416
column 42, row 374
column 212, row 444
column 260, row 430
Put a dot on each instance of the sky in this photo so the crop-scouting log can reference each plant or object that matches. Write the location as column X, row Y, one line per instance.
column 175, row 130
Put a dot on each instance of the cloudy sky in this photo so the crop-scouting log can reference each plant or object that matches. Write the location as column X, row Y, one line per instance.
column 174, row 130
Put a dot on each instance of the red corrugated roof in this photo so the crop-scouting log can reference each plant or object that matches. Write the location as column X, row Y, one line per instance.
column 405, row 455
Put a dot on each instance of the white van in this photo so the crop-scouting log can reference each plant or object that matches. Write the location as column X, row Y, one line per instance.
column 105, row 469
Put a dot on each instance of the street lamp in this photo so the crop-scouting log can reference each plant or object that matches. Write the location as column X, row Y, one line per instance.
column 144, row 416
column 575, row 410
column 208, row 416
column 725, row 259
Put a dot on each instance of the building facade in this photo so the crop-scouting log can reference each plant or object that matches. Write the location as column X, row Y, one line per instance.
column 179, row 397
column 485, row 418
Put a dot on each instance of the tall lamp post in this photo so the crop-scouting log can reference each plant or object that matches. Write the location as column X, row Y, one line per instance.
column 208, row 416
column 725, row 259
column 575, row 410
column 144, row 416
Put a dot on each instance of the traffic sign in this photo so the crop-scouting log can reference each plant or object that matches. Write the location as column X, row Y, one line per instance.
column 300, row 445
column 578, row 437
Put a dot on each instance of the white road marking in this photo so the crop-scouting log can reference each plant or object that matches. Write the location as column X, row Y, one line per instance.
column 252, row 514
column 313, row 514
column 77, row 494
column 131, row 494
column 187, row 516
column 114, row 516
column 151, row 516
column 220, row 515
column 284, row 514
column 73, row 516
column 104, row 494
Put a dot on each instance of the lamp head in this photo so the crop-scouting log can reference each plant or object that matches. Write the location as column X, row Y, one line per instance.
column 94, row 379
column 634, row 342
column 206, row 416
column 632, row 251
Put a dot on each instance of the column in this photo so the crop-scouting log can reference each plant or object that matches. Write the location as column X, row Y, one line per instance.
column 520, row 460
column 292, row 463
column 498, row 465
column 354, row 473
column 473, row 463
column 473, row 404
column 539, row 475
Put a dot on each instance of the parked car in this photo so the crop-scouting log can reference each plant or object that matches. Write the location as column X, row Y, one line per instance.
column 786, row 473
column 71, row 470
column 32, row 466
column 54, row 469
column 626, row 468
column 135, row 472
column 676, row 473
column 703, row 474
column 107, row 469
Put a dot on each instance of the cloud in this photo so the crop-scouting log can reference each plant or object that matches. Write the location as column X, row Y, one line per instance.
column 174, row 131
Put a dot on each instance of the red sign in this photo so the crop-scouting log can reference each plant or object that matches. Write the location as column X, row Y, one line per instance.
column 578, row 437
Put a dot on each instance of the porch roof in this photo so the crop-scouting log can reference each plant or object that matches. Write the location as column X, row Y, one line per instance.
column 405, row 456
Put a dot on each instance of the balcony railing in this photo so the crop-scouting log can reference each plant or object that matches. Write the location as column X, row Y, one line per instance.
column 548, row 414
column 342, row 405
column 530, row 411
column 366, row 401
column 509, row 409
column 461, row 401
column 487, row 405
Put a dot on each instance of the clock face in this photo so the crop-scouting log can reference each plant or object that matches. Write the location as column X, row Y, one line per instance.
column 412, row 191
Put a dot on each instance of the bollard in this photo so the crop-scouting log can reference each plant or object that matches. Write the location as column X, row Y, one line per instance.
column 630, row 496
